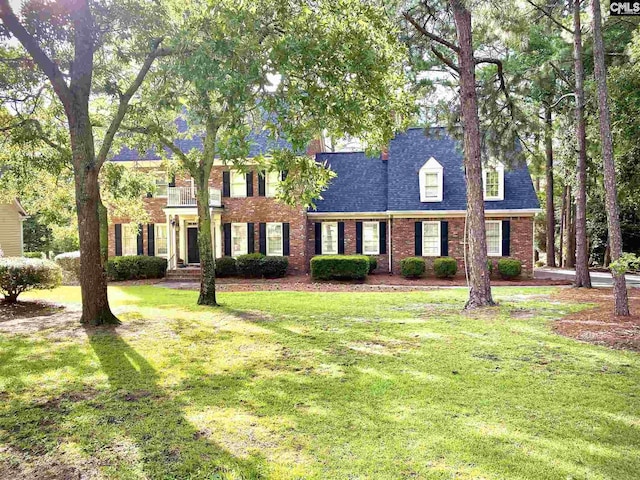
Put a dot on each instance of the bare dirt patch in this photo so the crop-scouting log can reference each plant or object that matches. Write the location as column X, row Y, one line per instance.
column 598, row 325
column 26, row 318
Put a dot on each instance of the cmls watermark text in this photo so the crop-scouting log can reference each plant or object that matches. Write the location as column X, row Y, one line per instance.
column 624, row 8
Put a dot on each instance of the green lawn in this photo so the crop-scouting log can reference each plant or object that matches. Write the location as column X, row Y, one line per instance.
column 320, row 385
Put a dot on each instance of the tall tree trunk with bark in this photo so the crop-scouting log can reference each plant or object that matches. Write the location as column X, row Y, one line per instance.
column 480, row 288
column 550, row 212
column 606, row 140
column 563, row 227
column 583, row 279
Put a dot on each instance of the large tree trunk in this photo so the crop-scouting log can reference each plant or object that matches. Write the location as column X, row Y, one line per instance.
column 104, row 232
column 583, row 279
column 550, row 213
column 611, row 191
column 480, row 288
column 570, row 255
column 563, row 226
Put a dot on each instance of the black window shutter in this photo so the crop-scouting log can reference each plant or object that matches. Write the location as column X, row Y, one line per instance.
column 383, row 237
column 172, row 183
column 140, row 241
column 283, row 175
column 418, row 239
column 358, row 237
column 151, row 239
column 227, row 239
column 118, row 230
column 318, row 238
column 262, row 176
column 286, row 251
column 226, row 184
column 262, row 238
column 444, row 239
column 249, row 184
column 506, row 238
column 341, row 238
column 250, row 240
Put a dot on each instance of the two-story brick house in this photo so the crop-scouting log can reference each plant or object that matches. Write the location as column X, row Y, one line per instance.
column 409, row 202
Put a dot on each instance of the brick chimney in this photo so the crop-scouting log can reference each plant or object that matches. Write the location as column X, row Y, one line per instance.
column 384, row 155
column 316, row 146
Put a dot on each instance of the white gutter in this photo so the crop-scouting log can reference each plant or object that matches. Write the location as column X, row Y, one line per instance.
column 523, row 212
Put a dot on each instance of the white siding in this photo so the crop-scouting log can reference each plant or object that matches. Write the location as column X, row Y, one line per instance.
column 10, row 230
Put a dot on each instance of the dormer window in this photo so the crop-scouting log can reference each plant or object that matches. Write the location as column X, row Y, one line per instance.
column 493, row 181
column 431, row 181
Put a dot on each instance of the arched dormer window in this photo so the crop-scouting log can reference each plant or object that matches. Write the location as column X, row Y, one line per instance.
column 493, row 181
column 431, row 181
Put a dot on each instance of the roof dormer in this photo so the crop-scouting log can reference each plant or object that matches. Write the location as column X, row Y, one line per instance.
column 493, row 181
column 431, row 178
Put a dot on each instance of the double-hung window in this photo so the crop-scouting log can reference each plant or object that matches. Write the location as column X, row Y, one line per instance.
column 430, row 239
column 329, row 238
column 162, row 184
column 238, row 184
column 239, row 241
column 129, row 239
column 431, row 185
column 160, row 239
column 271, row 181
column 493, row 181
column 370, row 238
column 431, row 181
column 274, row 239
column 494, row 237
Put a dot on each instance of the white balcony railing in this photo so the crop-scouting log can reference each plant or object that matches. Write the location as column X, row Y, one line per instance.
column 186, row 197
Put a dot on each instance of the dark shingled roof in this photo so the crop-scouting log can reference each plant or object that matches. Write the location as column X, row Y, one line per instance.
column 360, row 185
column 362, row 182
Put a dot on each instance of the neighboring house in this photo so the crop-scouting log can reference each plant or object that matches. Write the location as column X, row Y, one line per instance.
column 11, row 234
column 409, row 202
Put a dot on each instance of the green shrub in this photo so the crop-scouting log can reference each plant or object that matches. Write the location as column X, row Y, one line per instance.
column 509, row 268
column 250, row 265
column 226, row 267
column 445, row 267
column 490, row 266
column 17, row 275
column 136, row 267
column 70, row 264
column 412, row 267
column 373, row 263
column 274, row 267
column 40, row 255
column 539, row 263
column 339, row 267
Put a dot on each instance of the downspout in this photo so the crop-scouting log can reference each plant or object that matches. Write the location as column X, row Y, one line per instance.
column 390, row 246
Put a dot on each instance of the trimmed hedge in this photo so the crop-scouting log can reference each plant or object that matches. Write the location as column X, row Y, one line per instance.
column 40, row 255
column 509, row 268
column 250, row 265
column 136, row 267
column 412, row 267
column 274, row 267
column 339, row 267
column 18, row 275
column 226, row 267
column 373, row 264
column 70, row 264
column 445, row 267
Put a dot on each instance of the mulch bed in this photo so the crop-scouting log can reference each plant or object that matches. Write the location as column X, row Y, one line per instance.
column 599, row 325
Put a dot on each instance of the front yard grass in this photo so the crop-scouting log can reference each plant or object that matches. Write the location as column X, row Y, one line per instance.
column 290, row 385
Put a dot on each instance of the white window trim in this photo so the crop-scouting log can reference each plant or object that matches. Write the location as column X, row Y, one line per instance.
column 155, row 236
column 281, row 251
column 133, row 229
column 499, row 222
column 242, row 194
column 431, row 166
column 268, row 184
column 156, row 175
column 499, row 166
column 439, row 237
column 322, row 239
column 377, row 249
column 245, row 248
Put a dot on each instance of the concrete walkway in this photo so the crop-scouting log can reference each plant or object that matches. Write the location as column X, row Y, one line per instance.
column 598, row 279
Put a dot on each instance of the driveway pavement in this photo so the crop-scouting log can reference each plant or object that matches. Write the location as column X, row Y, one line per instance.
column 598, row 279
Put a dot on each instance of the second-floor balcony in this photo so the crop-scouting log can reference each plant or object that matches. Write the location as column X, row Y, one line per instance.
column 186, row 197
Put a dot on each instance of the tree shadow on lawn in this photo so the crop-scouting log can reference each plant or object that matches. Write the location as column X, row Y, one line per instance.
column 168, row 445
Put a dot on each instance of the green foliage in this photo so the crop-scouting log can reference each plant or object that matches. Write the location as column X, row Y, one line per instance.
column 135, row 267
column 69, row 262
column 445, row 267
column 274, row 267
column 34, row 255
column 226, row 267
column 628, row 262
column 339, row 267
column 490, row 266
column 373, row 263
column 509, row 268
column 250, row 265
column 412, row 267
column 18, row 275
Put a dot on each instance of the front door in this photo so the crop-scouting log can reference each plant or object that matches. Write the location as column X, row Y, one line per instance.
column 193, row 253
